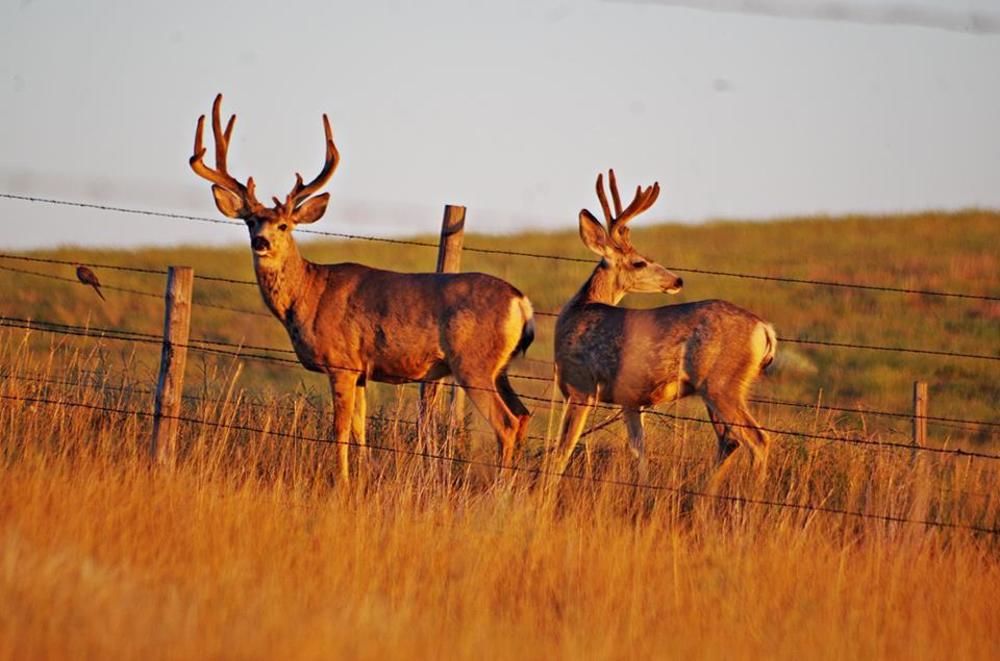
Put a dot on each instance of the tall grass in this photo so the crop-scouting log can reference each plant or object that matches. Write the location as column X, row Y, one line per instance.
column 247, row 549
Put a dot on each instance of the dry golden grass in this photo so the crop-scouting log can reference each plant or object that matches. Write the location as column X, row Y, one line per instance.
column 248, row 550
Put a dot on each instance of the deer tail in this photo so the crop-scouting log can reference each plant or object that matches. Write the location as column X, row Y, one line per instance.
column 528, row 327
column 770, row 342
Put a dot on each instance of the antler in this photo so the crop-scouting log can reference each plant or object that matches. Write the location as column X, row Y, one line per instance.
column 299, row 192
column 220, row 175
column 643, row 200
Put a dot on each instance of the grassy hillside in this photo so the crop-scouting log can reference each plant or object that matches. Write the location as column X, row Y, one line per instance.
column 248, row 548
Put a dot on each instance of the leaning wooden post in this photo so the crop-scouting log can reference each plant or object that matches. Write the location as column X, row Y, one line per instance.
column 920, row 413
column 449, row 261
column 170, row 385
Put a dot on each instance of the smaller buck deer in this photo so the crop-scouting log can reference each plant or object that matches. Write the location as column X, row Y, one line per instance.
column 640, row 358
column 356, row 323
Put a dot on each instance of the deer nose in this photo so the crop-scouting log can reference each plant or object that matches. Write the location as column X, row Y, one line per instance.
column 260, row 243
column 679, row 283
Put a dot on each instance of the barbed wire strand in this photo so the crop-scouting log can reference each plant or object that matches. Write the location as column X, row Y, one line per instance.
column 315, row 414
column 287, row 362
column 544, row 313
column 120, row 267
column 538, row 472
column 852, row 345
column 495, row 251
column 137, row 292
column 811, row 405
column 528, row 377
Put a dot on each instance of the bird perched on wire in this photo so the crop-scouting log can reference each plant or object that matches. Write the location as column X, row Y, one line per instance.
column 88, row 277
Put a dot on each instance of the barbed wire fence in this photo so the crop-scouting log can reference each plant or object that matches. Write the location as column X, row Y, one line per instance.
column 541, row 313
column 283, row 357
column 535, row 472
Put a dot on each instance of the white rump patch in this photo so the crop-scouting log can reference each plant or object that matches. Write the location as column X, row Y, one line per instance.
column 763, row 344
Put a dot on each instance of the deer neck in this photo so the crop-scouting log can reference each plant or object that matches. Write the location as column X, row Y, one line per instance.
column 601, row 287
column 282, row 281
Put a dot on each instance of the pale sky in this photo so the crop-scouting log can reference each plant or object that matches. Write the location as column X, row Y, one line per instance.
column 510, row 108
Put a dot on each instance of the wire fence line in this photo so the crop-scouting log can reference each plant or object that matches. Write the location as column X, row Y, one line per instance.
column 290, row 409
column 541, row 313
column 119, row 267
column 494, row 251
column 236, row 351
column 90, row 331
column 868, row 443
column 875, row 412
column 136, row 292
column 536, row 472
column 204, row 344
column 315, row 413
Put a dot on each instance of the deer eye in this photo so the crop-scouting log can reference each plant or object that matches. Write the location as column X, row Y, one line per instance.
column 639, row 264
column 282, row 227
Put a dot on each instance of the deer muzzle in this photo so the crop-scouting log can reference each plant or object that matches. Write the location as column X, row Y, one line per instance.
column 260, row 244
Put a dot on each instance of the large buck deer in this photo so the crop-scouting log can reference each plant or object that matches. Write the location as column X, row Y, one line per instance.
column 355, row 323
column 640, row 358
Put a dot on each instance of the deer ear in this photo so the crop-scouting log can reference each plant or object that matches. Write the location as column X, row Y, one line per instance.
column 593, row 234
column 311, row 210
column 229, row 203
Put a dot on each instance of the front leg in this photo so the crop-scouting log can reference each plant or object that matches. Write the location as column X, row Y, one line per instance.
column 343, row 386
column 427, row 413
column 633, row 421
column 574, row 418
column 358, row 422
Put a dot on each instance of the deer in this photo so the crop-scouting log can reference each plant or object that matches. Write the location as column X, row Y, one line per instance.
column 355, row 323
column 638, row 358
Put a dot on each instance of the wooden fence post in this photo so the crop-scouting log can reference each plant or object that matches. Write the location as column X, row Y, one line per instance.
column 920, row 413
column 449, row 261
column 921, row 470
column 170, row 385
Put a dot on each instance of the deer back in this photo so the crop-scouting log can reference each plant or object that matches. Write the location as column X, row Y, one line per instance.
column 643, row 357
column 405, row 326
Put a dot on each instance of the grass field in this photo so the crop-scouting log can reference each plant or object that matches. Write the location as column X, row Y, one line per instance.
column 249, row 550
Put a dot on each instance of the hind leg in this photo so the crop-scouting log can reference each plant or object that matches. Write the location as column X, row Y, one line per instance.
column 426, row 409
column 575, row 415
column 757, row 439
column 735, row 426
column 728, row 440
column 515, row 405
column 492, row 407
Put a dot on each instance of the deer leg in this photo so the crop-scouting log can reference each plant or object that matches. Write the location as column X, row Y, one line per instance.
column 728, row 442
column 491, row 405
column 574, row 418
column 358, row 422
column 429, row 395
column 757, row 439
column 343, row 386
column 633, row 422
column 515, row 405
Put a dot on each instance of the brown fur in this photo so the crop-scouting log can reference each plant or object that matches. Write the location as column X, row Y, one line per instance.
column 356, row 323
column 641, row 358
